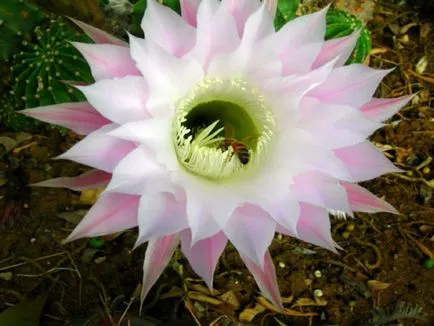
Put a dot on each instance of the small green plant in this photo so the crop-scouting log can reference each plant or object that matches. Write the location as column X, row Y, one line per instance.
column 286, row 11
column 341, row 23
column 399, row 310
column 42, row 65
column 11, row 119
column 18, row 18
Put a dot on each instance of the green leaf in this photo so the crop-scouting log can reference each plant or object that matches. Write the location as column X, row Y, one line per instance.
column 25, row 313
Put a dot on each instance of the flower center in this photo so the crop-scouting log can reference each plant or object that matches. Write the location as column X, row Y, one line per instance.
column 222, row 129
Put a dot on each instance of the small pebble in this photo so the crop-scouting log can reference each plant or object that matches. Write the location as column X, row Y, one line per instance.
column 32, row 240
column 318, row 293
column 351, row 227
column 282, row 265
column 7, row 276
column 99, row 260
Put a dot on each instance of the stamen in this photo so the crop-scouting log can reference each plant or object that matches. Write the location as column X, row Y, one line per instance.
column 201, row 123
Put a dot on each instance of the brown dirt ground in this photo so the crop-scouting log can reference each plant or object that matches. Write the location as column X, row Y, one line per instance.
column 91, row 286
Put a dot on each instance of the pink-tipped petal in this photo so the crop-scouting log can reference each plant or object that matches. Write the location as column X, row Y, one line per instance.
column 265, row 277
column 284, row 208
column 189, row 11
column 351, row 85
column 151, row 133
column 298, row 59
column 107, row 60
column 204, row 255
column 80, row 117
column 314, row 226
column 341, row 47
column 216, row 33
column 111, row 213
column 158, row 254
column 347, row 124
column 120, row 100
column 88, row 180
column 322, row 190
column 258, row 26
column 300, row 152
column 200, row 220
column 251, row 230
column 302, row 30
column 364, row 161
column 380, row 109
column 292, row 89
column 361, row 200
column 241, row 11
column 166, row 28
column 160, row 214
column 299, row 42
column 99, row 150
column 98, row 35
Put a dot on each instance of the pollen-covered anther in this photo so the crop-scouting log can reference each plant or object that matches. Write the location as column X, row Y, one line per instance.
column 222, row 128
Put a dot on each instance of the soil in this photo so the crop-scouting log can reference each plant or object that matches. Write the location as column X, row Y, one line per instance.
column 382, row 266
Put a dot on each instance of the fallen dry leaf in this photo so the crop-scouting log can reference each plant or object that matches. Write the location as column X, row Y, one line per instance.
column 377, row 285
column 247, row 315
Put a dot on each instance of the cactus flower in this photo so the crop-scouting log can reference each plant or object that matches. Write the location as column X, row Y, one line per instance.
column 217, row 128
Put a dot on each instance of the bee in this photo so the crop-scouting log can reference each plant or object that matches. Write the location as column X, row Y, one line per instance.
column 239, row 148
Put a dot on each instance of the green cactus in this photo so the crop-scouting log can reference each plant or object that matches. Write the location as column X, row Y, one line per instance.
column 341, row 23
column 18, row 18
column 286, row 11
column 13, row 120
column 41, row 67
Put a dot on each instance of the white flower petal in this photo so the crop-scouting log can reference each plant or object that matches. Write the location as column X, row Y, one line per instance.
column 138, row 173
column 250, row 230
column 155, row 134
column 110, row 214
column 99, row 150
column 160, row 215
column 265, row 277
column 342, row 47
column 120, row 100
column 348, row 125
column 88, row 180
column 321, row 190
column 166, row 28
column 162, row 72
column 241, row 11
column 364, row 161
column 314, row 227
column 203, row 256
column 380, row 109
column 351, row 85
column 107, row 60
column 216, row 33
column 189, row 11
column 158, row 254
